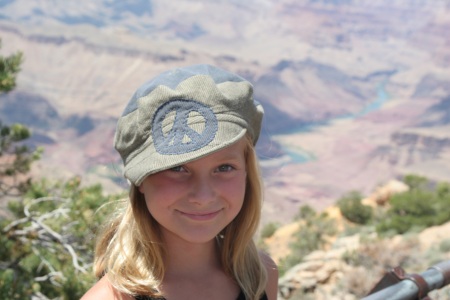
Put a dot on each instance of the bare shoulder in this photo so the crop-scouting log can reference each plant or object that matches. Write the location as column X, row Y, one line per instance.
column 105, row 291
column 272, row 274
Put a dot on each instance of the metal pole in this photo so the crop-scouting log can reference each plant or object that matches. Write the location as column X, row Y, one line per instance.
column 436, row 277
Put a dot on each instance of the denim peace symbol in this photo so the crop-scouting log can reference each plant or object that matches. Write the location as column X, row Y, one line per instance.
column 182, row 138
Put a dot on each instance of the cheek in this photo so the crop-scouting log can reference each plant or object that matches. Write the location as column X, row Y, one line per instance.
column 151, row 205
column 158, row 210
column 151, row 196
column 235, row 191
column 156, row 199
column 161, row 196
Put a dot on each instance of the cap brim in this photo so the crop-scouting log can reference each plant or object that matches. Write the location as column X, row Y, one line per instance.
column 149, row 161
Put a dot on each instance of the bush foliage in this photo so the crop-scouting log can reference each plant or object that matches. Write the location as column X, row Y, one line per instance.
column 312, row 234
column 353, row 210
column 9, row 68
column 49, row 241
column 425, row 204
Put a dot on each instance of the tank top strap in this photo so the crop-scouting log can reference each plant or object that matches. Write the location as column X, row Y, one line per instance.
column 140, row 297
column 240, row 297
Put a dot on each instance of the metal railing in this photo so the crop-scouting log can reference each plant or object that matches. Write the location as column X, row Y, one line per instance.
column 398, row 285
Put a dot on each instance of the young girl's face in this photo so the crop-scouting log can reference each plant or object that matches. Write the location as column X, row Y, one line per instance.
column 195, row 201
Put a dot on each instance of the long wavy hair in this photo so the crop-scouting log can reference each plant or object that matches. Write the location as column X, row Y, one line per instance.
column 130, row 249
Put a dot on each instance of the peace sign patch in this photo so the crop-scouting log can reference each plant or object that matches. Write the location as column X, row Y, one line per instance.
column 172, row 133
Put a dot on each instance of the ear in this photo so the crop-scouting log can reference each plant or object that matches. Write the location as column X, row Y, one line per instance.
column 140, row 188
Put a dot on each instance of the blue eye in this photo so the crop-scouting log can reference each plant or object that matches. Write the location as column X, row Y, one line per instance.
column 178, row 169
column 225, row 168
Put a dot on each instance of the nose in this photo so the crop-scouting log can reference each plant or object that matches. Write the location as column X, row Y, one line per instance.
column 203, row 190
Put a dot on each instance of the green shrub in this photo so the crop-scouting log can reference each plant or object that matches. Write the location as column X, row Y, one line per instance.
column 444, row 246
column 305, row 212
column 424, row 205
column 269, row 229
column 353, row 210
column 48, row 245
column 416, row 182
column 311, row 235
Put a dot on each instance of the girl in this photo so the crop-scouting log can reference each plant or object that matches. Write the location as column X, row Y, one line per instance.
column 187, row 142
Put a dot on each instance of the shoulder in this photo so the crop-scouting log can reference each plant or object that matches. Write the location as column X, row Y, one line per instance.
column 272, row 275
column 105, row 291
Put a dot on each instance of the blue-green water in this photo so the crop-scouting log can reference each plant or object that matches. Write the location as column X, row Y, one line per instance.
column 380, row 100
column 298, row 155
column 301, row 156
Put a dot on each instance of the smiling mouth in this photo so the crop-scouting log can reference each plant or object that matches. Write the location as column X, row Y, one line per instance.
column 201, row 216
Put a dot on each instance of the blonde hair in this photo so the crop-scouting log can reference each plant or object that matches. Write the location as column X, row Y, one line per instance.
column 130, row 250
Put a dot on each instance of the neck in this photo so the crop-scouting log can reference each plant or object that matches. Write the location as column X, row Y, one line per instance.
column 194, row 271
column 190, row 259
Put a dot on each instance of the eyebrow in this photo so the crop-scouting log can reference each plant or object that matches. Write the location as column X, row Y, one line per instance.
column 231, row 156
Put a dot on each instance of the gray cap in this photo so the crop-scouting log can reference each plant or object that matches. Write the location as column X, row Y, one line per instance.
column 182, row 115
